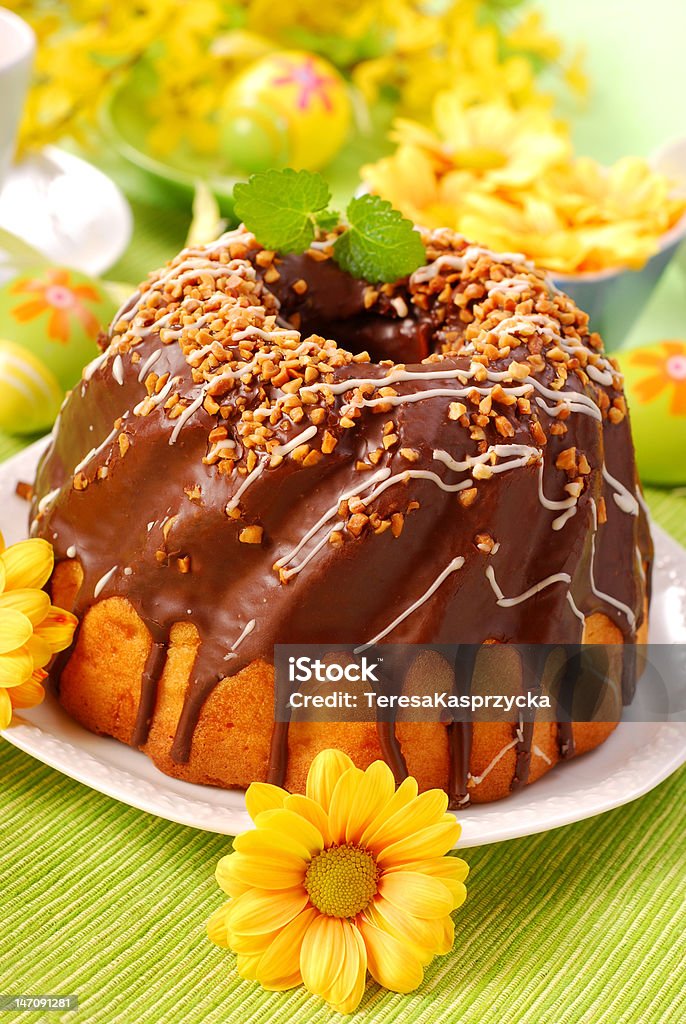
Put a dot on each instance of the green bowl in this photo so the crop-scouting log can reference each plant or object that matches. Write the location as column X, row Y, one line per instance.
column 127, row 123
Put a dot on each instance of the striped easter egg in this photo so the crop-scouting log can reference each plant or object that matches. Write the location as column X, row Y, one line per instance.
column 30, row 394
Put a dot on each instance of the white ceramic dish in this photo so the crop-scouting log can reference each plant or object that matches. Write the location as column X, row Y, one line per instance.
column 66, row 209
column 634, row 760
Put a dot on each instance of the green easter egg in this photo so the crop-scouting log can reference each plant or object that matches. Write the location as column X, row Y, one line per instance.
column 254, row 139
column 30, row 395
column 655, row 383
column 56, row 315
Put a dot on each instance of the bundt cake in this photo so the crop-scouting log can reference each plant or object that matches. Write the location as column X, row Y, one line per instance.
column 455, row 467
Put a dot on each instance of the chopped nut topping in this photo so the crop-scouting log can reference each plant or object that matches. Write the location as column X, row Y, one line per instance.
column 251, row 535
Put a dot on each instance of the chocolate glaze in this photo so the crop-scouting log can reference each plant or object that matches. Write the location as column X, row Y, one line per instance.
column 348, row 592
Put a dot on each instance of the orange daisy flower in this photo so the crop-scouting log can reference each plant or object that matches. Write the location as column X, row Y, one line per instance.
column 61, row 299
column 669, row 362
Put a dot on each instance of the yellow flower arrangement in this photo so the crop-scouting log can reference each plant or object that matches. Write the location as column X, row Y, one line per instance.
column 508, row 178
column 350, row 878
column 405, row 50
column 31, row 628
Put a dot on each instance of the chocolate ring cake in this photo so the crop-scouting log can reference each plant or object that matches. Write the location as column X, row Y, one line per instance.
column 455, row 467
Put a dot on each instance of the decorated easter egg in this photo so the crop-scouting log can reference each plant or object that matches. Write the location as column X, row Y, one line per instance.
column 30, row 394
column 49, row 321
column 655, row 382
column 290, row 107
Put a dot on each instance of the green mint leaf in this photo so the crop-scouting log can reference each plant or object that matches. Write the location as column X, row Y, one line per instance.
column 380, row 244
column 328, row 220
column 280, row 207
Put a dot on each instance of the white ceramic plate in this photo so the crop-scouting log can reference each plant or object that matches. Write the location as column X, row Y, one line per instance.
column 632, row 761
column 66, row 209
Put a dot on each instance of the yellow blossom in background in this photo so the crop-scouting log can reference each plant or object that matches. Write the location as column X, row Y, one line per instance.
column 507, row 178
column 404, row 51
column 31, row 628
column 350, row 878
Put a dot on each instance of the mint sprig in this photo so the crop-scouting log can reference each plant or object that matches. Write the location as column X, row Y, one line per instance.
column 380, row 244
column 281, row 208
column 284, row 209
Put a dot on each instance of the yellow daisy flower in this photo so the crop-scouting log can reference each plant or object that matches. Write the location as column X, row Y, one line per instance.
column 350, row 878
column 31, row 628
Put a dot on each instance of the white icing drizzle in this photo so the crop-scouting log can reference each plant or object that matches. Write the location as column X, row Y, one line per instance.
column 158, row 398
column 118, row 369
column 219, row 447
column 509, row 602
column 539, row 753
column 615, row 602
column 424, row 274
column 450, row 568
column 94, row 364
column 525, row 452
column 478, row 779
column 94, row 452
column 103, row 581
column 47, row 500
column 572, row 604
column 282, row 449
column 622, row 495
column 381, row 474
column 287, row 573
column 558, row 523
column 148, row 364
column 247, row 630
column 186, row 415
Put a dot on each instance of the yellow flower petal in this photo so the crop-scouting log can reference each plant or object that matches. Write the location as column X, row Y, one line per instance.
column 263, row 842
column 278, row 870
column 3, row 576
column 424, row 810
column 404, row 794
column 15, row 667
column 346, row 987
column 259, row 911
column 27, row 564
column 419, row 895
column 247, row 964
column 261, row 796
column 292, row 826
column 392, row 964
column 325, row 771
column 452, row 871
column 5, row 709
column 2, row 543
column 433, row 841
column 279, row 966
column 57, row 628
column 34, row 604
column 27, row 695
column 15, row 630
column 322, row 954
column 311, row 811
column 216, row 926
column 350, row 1002
column 341, row 802
column 373, row 794
column 426, row 937
column 40, row 651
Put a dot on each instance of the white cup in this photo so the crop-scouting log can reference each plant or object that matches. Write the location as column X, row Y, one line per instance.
column 17, row 45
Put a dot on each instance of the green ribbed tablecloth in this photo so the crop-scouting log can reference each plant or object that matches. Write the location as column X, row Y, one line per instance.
column 582, row 925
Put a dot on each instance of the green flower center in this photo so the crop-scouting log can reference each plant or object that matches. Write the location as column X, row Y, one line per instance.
column 342, row 880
